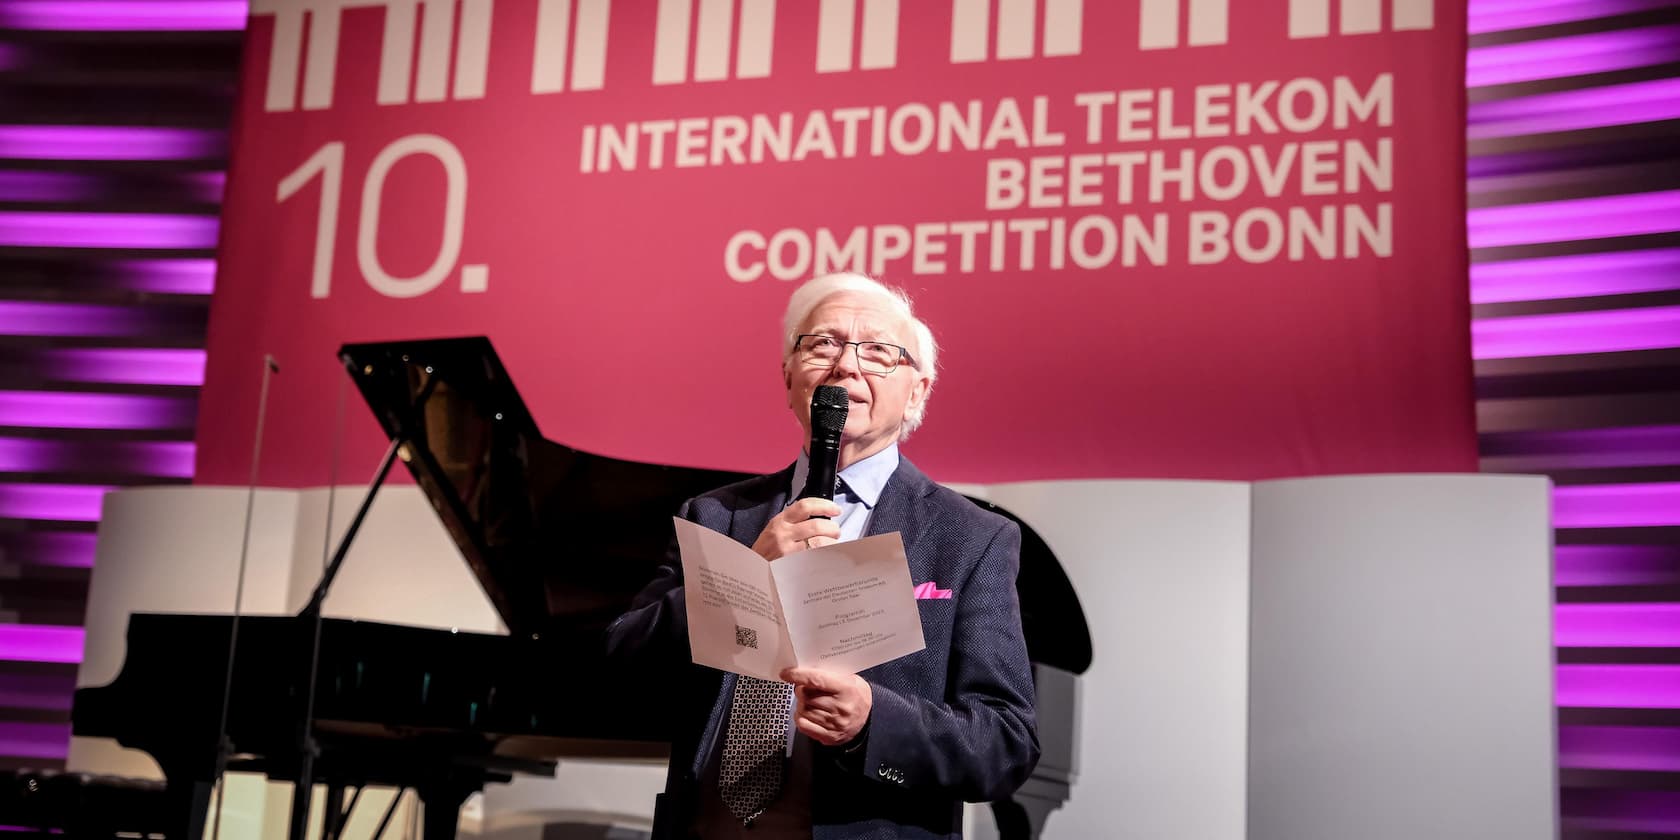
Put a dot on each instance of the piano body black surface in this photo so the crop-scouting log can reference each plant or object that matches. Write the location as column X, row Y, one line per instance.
column 437, row 711
column 559, row 539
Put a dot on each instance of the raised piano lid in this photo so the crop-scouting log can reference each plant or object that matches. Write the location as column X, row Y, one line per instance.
column 562, row 539
column 559, row 539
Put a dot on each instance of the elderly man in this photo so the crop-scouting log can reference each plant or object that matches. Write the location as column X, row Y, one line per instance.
column 893, row 751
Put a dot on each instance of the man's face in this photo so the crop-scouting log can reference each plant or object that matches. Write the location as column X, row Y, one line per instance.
column 877, row 402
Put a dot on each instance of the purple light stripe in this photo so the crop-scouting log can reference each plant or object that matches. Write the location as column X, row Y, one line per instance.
column 107, row 230
column 1576, row 275
column 20, row 186
column 1616, row 505
column 1574, row 55
column 1616, row 625
column 1486, row 16
column 164, row 459
column 139, row 15
column 1574, row 219
column 1659, row 440
column 126, row 366
column 1573, row 110
column 1511, row 163
column 1569, row 178
column 169, row 459
column 62, row 549
column 70, row 319
column 105, row 142
column 1615, row 565
column 35, row 740
column 1546, row 104
column 168, row 276
column 47, row 693
column 1624, row 810
column 1628, row 446
column 11, row 57
column 1576, row 461
column 46, row 187
column 1605, row 331
column 54, row 410
column 209, row 187
column 1618, row 686
column 1619, row 748
column 52, row 502
column 26, row 455
column 41, row 643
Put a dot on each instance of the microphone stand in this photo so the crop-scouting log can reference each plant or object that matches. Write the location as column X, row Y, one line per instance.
column 224, row 746
column 308, row 749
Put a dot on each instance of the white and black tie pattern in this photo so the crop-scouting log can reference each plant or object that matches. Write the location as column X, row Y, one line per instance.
column 754, row 749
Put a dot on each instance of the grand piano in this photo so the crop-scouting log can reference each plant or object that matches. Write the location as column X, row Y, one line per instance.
column 560, row 540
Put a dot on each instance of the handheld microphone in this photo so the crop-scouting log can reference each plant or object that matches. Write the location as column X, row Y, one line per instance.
column 828, row 419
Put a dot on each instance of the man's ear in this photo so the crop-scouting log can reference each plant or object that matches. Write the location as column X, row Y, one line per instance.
column 920, row 392
column 787, row 384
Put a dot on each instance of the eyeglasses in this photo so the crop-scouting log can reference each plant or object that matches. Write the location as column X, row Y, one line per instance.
column 876, row 357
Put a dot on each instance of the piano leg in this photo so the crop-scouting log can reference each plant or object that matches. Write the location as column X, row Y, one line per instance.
column 1012, row 821
column 441, row 808
column 189, row 801
column 334, row 815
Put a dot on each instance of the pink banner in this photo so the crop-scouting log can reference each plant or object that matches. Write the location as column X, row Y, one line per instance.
column 1182, row 238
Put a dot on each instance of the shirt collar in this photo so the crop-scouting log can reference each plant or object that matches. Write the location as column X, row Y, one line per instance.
column 866, row 478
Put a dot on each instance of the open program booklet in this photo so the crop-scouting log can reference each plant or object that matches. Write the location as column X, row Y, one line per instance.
column 842, row 607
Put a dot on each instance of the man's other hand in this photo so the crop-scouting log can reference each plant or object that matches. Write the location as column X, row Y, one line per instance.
column 833, row 707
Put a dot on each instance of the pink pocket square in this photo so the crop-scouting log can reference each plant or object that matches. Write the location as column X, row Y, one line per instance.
column 927, row 591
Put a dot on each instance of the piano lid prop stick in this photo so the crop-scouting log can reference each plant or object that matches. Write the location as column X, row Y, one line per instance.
column 304, row 787
column 223, row 748
column 332, row 475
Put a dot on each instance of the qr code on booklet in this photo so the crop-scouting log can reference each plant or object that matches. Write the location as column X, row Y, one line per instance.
column 746, row 637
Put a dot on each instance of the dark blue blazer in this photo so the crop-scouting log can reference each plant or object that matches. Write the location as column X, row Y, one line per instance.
column 950, row 723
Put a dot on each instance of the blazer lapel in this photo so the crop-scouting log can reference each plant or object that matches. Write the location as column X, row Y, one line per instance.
column 899, row 500
column 748, row 521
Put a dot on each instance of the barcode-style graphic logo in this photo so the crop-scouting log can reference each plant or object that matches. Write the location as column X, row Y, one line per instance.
column 1207, row 22
column 746, row 637
column 1016, row 38
column 1311, row 18
column 718, row 40
column 588, row 45
column 676, row 24
column 875, row 40
column 400, row 81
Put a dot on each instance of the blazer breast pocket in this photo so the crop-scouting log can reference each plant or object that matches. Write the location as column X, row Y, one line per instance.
column 937, row 615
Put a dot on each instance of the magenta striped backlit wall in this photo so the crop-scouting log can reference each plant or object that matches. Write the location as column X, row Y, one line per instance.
column 112, row 143
column 1574, row 221
column 113, row 148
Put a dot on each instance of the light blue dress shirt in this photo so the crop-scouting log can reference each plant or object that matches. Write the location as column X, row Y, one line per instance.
column 863, row 483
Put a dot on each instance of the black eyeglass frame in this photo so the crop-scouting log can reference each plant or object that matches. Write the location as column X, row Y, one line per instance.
column 903, row 352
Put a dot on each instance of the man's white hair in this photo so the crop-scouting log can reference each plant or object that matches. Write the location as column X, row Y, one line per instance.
column 923, row 350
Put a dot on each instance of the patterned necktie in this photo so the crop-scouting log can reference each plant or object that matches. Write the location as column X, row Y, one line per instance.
column 753, row 750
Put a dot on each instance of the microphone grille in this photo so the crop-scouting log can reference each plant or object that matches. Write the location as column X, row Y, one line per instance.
column 828, row 409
